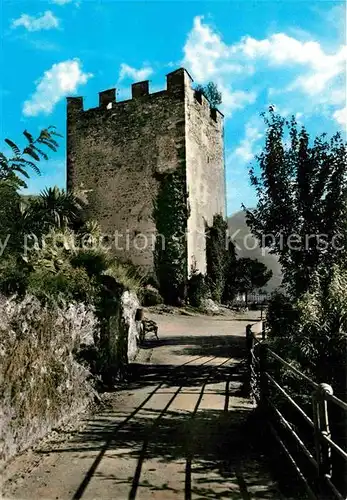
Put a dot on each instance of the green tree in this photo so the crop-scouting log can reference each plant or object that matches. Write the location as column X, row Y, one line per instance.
column 13, row 168
column 211, row 92
column 54, row 208
column 197, row 289
column 250, row 274
column 14, row 215
column 301, row 214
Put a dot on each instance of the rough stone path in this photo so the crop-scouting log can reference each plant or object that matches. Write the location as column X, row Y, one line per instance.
column 177, row 431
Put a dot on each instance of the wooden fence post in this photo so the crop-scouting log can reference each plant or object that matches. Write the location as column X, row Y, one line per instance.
column 321, row 428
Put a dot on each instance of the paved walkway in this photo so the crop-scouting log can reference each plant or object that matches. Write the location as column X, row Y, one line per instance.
column 177, row 431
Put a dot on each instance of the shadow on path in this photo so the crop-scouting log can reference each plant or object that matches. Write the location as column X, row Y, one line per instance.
column 213, row 444
column 204, row 345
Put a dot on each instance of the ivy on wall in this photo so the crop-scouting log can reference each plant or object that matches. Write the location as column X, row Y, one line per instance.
column 216, row 256
column 171, row 215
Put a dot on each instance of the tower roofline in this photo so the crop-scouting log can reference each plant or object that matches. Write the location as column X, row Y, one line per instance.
column 176, row 83
column 180, row 70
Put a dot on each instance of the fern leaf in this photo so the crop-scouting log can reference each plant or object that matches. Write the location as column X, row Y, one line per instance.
column 52, row 130
column 44, row 134
column 21, row 170
column 29, row 151
column 41, row 153
column 29, row 137
column 49, row 145
column 27, row 163
column 13, row 146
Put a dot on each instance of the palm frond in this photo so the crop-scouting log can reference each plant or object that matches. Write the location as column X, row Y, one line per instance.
column 50, row 144
column 13, row 146
column 53, row 131
column 19, row 168
column 41, row 153
column 29, row 151
column 29, row 137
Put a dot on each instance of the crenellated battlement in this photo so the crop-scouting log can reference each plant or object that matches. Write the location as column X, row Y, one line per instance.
column 177, row 83
column 119, row 154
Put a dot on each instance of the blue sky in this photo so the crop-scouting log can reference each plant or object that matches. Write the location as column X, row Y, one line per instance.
column 288, row 53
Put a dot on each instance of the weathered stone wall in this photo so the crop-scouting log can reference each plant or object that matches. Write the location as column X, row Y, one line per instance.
column 116, row 154
column 130, row 304
column 205, row 172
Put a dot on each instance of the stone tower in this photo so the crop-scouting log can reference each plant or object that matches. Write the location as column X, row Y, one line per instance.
column 118, row 152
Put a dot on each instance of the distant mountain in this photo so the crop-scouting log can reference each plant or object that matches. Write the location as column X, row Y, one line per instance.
column 248, row 246
column 29, row 197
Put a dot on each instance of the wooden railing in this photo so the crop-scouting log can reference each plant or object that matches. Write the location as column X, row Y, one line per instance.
column 316, row 470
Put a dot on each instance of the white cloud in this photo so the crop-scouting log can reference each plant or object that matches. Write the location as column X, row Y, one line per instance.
column 237, row 163
column 208, row 58
column 204, row 51
column 282, row 50
column 60, row 80
column 127, row 71
column 318, row 75
column 246, row 150
column 234, row 99
column 340, row 116
column 45, row 21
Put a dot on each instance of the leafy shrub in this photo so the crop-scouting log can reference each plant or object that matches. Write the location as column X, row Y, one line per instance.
column 13, row 275
column 152, row 280
column 151, row 296
column 198, row 289
column 281, row 315
column 126, row 274
column 69, row 283
column 211, row 92
column 95, row 262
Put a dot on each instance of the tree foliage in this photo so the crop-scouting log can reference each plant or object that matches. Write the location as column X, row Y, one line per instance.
column 13, row 168
column 301, row 214
column 211, row 92
column 230, row 282
column 197, row 289
column 54, row 208
column 246, row 275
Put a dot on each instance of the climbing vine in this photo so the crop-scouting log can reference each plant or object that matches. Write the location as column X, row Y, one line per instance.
column 171, row 215
column 216, row 256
